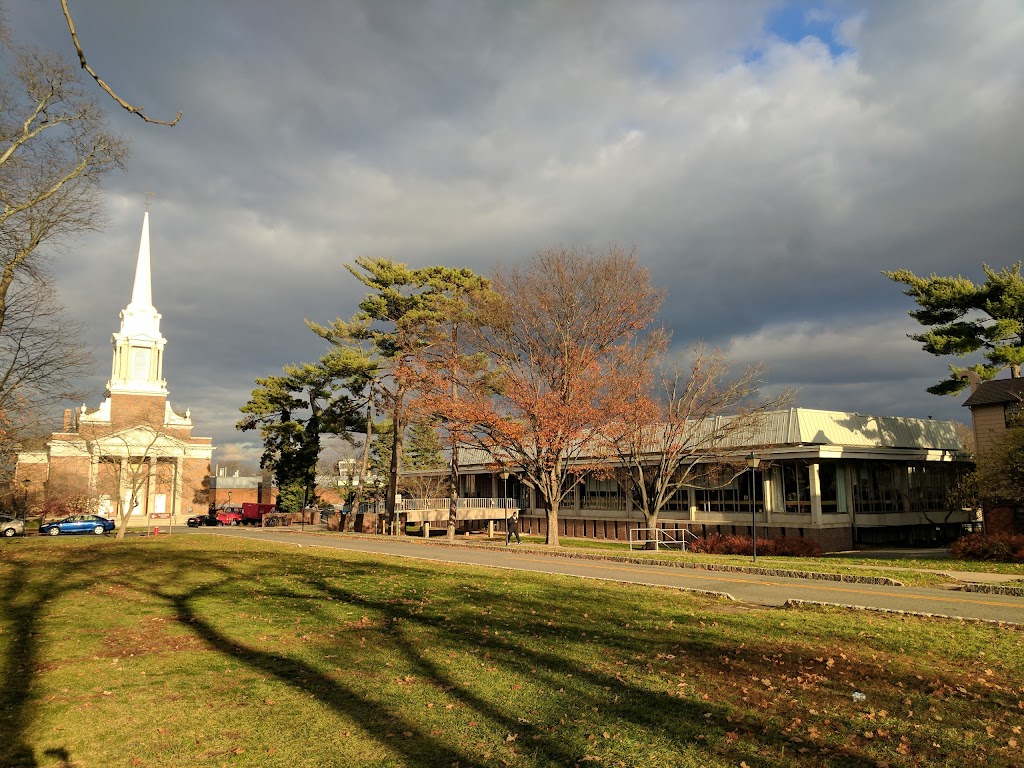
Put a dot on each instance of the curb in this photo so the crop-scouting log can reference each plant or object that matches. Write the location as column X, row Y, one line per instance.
column 993, row 589
column 897, row 612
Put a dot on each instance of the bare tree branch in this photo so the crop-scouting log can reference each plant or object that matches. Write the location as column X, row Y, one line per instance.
column 54, row 149
column 690, row 429
column 40, row 351
column 99, row 80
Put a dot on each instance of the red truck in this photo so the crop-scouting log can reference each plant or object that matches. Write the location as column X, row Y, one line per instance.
column 229, row 515
column 252, row 513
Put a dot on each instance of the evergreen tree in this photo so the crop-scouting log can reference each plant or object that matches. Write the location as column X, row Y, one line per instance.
column 424, row 447
column 293, row 410
column 380, row 451
column 394, row 326
column 965, row 318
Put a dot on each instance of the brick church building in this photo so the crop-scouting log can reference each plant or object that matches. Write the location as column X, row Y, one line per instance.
column 134, row 451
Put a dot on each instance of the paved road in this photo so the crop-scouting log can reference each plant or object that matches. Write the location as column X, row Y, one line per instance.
column 745, row 587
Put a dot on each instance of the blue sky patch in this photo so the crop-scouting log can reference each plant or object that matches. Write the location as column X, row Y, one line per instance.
column 794, row 21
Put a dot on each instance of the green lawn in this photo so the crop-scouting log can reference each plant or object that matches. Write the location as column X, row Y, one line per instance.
column 207, row 651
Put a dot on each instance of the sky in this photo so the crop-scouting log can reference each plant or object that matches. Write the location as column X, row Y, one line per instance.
column 766, row 159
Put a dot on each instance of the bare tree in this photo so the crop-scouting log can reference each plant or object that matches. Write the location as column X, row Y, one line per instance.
column 690, row 428
column 565, row 347
column 138, row 451
column 41, row 353
column 54, row 149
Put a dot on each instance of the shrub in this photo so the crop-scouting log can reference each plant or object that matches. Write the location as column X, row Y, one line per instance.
column 999, row 548
column 57, row 507
column 790, row 546
column 793, row 546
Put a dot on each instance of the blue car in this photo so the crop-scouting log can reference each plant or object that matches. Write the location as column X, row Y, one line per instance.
column 78, row 524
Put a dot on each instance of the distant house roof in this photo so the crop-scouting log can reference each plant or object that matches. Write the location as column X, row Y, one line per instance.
column 996, row 391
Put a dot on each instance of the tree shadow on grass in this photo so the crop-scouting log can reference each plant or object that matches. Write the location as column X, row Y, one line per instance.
column 25, row 599
column 686, row 723
column 194, row 585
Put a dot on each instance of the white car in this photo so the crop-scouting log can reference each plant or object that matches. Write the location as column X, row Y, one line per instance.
column 11, row 527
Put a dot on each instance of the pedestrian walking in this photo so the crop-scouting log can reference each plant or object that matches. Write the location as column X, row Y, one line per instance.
column 512, row 526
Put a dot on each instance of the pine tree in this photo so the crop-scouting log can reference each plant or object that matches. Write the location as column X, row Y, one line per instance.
column 965, row 318
column 293, row 410
column 396, row 323
column 424, row 449
column 381, row 448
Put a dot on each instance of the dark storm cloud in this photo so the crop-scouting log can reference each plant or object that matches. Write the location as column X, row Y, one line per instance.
column 768, row 160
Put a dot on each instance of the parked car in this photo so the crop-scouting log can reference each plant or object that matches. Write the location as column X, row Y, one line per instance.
column 198, row 521
column 11, row 526
column 78, row 524
column 228, row 517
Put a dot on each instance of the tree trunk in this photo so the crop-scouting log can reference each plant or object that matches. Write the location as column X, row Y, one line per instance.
column 391, row 505
column 350, row 520
column 551, row 536
column 123, row 522
column 551, row 491
column 652, row 525
column 453, row 498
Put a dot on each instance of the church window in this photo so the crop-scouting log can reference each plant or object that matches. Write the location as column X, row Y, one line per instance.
column 140, row 363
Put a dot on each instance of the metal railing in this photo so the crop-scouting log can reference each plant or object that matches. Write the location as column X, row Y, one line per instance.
column 425, row 505
column 644, row 538
column 445, row 503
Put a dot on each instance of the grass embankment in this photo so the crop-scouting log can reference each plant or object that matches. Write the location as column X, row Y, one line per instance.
column 202, row 651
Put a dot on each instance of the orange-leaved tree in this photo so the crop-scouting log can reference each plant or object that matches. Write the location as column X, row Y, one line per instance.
column 567, row 345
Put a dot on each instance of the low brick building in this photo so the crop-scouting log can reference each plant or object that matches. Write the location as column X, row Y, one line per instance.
column 840, row 479
column 134, row 450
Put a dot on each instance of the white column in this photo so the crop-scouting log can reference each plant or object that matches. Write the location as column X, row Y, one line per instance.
column 778, row 497
column 176, row 500
column 94, row 467
column 812, row 470
column 151, row 486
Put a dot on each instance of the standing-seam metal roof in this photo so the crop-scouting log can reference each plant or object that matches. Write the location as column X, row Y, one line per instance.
column 807, row 426
column 812, row 427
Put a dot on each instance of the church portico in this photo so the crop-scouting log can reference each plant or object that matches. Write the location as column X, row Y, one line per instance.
column 134, row 455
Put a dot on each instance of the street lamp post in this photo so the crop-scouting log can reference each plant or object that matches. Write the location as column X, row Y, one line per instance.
column 27, row 482
column 504, row 495
column 752, row 462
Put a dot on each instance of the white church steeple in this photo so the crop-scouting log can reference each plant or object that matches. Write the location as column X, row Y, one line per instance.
column 138, row 346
